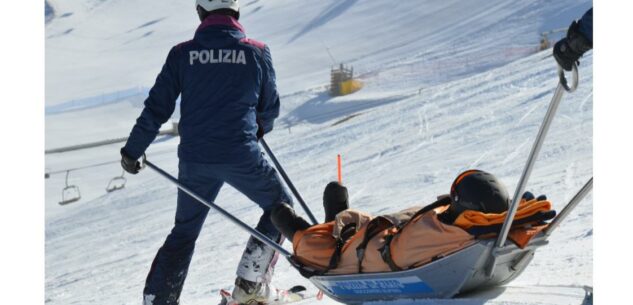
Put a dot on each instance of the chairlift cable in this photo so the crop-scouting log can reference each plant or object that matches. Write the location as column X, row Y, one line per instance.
column 97, row 164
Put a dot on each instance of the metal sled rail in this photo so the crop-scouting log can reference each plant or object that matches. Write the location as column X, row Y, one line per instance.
column 459, row 272
column 261, row 237
column 563, row 86
column 289, row 183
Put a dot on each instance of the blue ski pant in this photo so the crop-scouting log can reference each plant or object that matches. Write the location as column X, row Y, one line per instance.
column 254, row 178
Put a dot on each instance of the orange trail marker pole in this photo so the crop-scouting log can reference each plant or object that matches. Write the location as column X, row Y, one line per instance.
column 340, row 175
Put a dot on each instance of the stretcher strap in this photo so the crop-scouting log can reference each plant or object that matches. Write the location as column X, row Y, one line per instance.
column 385, row 253
column 441, row 201
column 346, row 234
column 374, row 227
column 304, row 270
column 336, row 256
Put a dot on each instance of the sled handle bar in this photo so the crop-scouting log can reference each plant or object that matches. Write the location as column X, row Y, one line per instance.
column 563, row 79
column 527, row 170
column 261, row 237
column 569, row 207
column 288, row 181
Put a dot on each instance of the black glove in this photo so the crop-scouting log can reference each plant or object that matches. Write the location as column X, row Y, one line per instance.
column 568, row 50
column 130, row 164
column 529, row 196
column 260, row 129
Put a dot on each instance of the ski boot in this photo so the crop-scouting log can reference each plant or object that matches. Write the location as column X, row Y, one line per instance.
column 251, row 293
column 335, row 200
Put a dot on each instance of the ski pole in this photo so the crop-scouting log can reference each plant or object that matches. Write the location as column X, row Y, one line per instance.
column 569, row 207
column 536, row 147
column 263, row 238
column 288, row 181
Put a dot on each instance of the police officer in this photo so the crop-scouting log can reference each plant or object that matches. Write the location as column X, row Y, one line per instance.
column 229, row 100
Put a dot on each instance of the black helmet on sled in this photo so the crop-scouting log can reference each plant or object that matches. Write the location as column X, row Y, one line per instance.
column 480, row 191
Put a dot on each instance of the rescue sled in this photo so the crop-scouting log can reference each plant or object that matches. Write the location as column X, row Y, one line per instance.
column 486, row 263
column 477, row 266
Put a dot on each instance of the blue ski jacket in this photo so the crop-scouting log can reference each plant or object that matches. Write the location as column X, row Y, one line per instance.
column 586, row 25
column 226, row 82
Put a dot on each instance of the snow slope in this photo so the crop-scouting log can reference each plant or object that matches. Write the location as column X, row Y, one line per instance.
column 106, row 45
column 450, row 85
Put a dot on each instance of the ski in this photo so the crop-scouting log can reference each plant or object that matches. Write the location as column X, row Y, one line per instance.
column 280, row 296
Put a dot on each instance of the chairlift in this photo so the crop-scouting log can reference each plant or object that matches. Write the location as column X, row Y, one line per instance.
column 116, row 183
column 70, row 193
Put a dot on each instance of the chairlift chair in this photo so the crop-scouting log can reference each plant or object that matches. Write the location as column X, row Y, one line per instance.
column 70, row 193
column 116, row 183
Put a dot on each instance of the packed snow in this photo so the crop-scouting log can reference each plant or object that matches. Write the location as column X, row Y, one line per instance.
column 449, row 85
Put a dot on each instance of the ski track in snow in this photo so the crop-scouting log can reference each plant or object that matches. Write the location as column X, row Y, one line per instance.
column 461, row 90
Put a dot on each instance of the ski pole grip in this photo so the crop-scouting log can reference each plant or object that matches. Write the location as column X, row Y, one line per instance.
column 563, row 78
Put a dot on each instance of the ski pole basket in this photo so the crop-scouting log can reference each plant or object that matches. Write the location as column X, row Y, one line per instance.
column 116, row 183
column 70, row 193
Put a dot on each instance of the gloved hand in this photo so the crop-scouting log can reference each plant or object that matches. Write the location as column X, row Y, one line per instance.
column 130, row 164
column 529, row 196
column 260, row 129
column 568, row 50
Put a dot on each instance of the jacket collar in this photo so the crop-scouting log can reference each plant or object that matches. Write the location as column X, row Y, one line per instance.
column 220, row 20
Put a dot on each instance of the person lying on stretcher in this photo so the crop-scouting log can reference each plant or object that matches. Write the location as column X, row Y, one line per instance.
column 351, row 241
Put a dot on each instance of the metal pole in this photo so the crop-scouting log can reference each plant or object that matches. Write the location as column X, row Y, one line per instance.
column 288, row 181
column 569, row 207
column 536, row 148
column 263, row 238
column 529, row 166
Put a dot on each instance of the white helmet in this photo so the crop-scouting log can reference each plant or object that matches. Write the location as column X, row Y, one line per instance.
column 212, row 5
